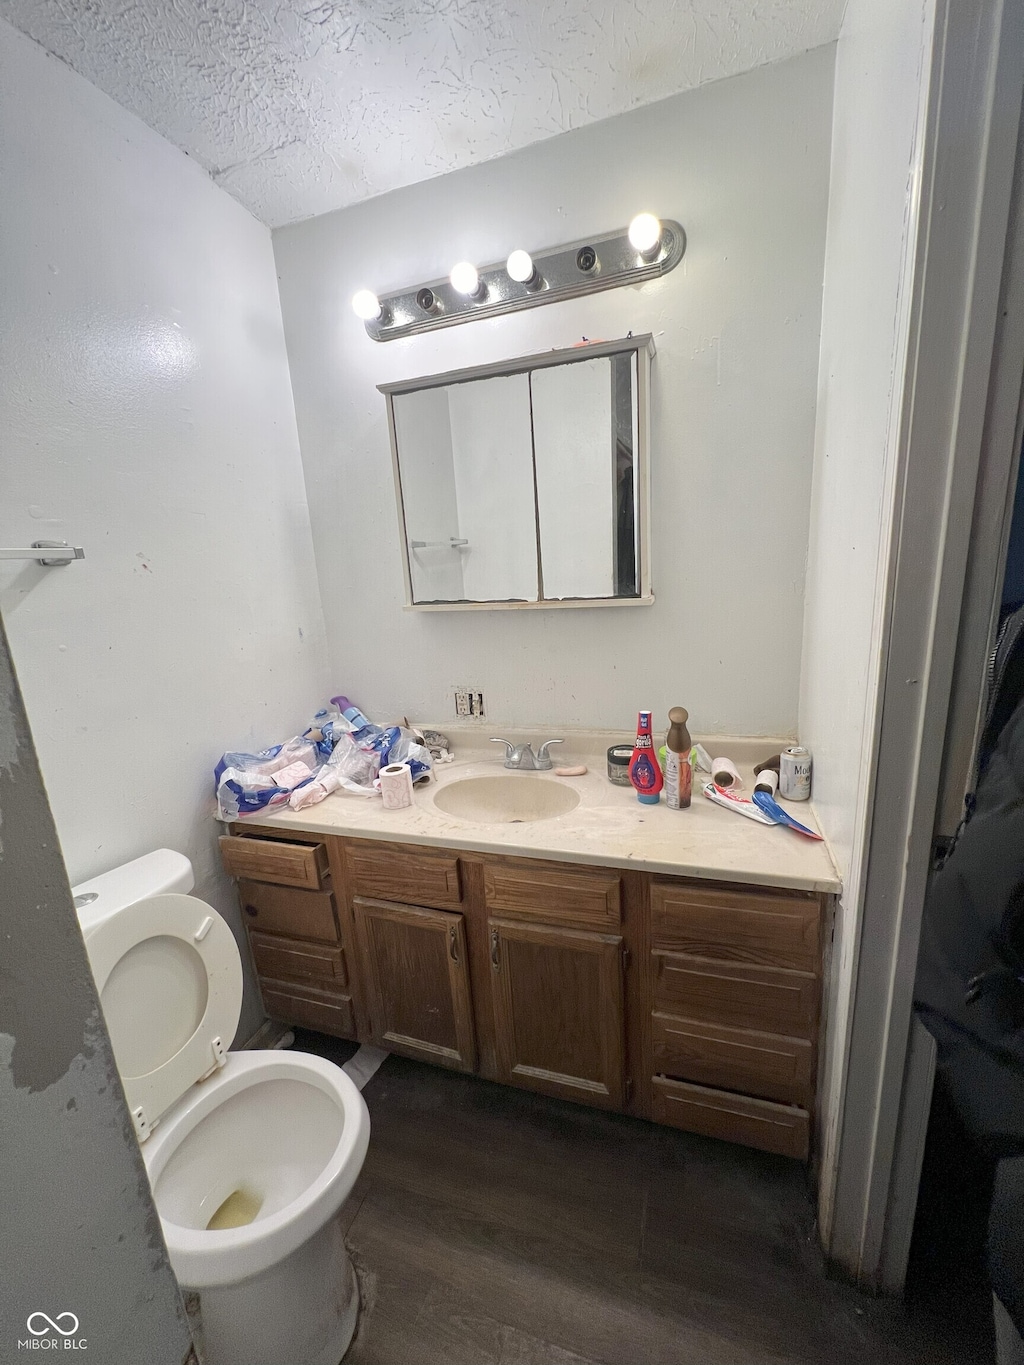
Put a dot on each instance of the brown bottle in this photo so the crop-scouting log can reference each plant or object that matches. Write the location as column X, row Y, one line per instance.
column 678, row 772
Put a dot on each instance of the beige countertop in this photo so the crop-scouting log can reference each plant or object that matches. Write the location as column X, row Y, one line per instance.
column 608, row 827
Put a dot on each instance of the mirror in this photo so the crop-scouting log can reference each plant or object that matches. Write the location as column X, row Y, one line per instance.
column 525, row 484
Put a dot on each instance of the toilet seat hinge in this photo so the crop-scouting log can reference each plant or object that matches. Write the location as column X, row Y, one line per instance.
column 141, row 1122
column 220, row 1054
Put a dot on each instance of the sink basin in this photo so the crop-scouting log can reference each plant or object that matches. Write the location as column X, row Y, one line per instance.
column 507, row 800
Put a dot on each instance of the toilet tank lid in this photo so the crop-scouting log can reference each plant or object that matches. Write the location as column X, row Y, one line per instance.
column 154, row 874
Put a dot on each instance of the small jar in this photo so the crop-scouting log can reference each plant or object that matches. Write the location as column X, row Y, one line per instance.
column 619, row 756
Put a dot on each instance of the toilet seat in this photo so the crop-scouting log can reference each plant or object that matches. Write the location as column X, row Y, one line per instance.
column 169, row 977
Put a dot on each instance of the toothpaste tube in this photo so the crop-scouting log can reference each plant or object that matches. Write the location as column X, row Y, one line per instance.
column 736, row 803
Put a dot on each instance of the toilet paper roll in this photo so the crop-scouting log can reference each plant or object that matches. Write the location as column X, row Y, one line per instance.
column 767, row 781
column 725, row 774
column 396, row 786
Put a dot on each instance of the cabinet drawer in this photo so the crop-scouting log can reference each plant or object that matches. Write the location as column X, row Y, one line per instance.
column 310, row 1008
column 739, row 925
column 554, row 893
column 266, row 860
column 778, row 1128
column 278, row 910
column 737, row 995
column 411, row 876
column 284, row 957
column 762, row 1064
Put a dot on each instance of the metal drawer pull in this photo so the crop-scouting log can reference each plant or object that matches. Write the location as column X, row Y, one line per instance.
column 494, row 949
column 453, row 943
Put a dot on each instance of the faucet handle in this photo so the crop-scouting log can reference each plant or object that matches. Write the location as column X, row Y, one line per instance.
column 542, row 752
column 510, row 748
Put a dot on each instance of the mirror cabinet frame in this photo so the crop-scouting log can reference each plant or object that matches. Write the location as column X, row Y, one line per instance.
column 642, row 346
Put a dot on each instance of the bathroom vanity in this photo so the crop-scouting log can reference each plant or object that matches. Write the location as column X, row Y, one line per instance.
column 694, row 1003
column 692, row 1000
column 665, row 964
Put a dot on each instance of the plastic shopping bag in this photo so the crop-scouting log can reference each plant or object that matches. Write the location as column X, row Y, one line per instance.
column 248, row 783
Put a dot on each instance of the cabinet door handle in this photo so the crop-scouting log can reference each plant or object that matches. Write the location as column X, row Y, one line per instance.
column 453, row 943
column 251, row 910
column 494, row 949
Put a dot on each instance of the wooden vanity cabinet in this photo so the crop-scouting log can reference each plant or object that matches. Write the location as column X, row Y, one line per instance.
column 557, row 983
column 558, row 1010
column 735, row 987
column 693, row 1003
column 293, row 924
column 415, row 965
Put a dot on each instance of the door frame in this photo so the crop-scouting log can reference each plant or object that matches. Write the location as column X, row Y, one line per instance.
column 969, row 154
column 84, row 1239
column 999, row 469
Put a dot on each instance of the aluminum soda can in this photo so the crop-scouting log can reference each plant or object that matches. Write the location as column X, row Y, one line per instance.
column 795, row 773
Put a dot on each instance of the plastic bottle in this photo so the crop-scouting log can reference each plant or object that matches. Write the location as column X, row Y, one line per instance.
column 678, row 772
column 644, row 772
column 356, row 719
column 351, row 713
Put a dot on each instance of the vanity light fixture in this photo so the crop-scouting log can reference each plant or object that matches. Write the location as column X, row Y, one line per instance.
column 649, row 247
column 366, row 305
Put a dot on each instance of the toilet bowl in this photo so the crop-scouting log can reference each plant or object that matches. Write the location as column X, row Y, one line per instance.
column 250, row 1155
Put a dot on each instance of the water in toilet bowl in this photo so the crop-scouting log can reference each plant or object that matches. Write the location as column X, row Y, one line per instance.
column 237, row 1211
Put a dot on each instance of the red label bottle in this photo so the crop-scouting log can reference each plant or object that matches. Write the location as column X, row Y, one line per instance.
column 644, row 769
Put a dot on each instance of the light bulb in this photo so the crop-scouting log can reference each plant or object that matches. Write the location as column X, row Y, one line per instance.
column 645, row 232
column 520, row 267
column 366, row 305
column 465, row 279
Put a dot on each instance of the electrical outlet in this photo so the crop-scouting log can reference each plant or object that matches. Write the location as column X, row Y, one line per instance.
column 468, row 704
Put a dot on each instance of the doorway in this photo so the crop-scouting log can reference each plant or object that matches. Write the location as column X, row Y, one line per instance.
column 947, row 1272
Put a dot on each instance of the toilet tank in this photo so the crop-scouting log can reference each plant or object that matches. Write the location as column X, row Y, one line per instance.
column 154, row 874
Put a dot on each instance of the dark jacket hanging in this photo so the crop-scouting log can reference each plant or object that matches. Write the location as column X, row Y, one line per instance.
column 970, row 978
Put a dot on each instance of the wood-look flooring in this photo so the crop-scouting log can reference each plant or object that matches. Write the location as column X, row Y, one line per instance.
column 492, row 1226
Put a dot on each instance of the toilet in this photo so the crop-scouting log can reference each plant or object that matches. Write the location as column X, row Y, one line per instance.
column 250, row 1155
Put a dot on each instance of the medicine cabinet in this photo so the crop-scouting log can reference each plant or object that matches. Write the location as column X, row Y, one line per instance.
column 526, row 483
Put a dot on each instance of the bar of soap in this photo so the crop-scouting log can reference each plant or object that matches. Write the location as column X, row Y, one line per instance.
column 578, row 771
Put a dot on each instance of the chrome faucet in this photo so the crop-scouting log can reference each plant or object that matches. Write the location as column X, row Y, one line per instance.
column 522, row 755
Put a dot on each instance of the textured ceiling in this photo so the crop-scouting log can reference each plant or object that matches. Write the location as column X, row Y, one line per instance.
column 297, row 107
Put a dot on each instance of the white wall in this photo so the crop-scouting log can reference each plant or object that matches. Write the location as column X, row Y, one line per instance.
column 146, row 415
column 743, row 164
column 881, row 64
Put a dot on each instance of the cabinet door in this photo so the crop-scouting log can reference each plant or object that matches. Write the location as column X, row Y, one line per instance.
column 558, row 1007
column 417, row 983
